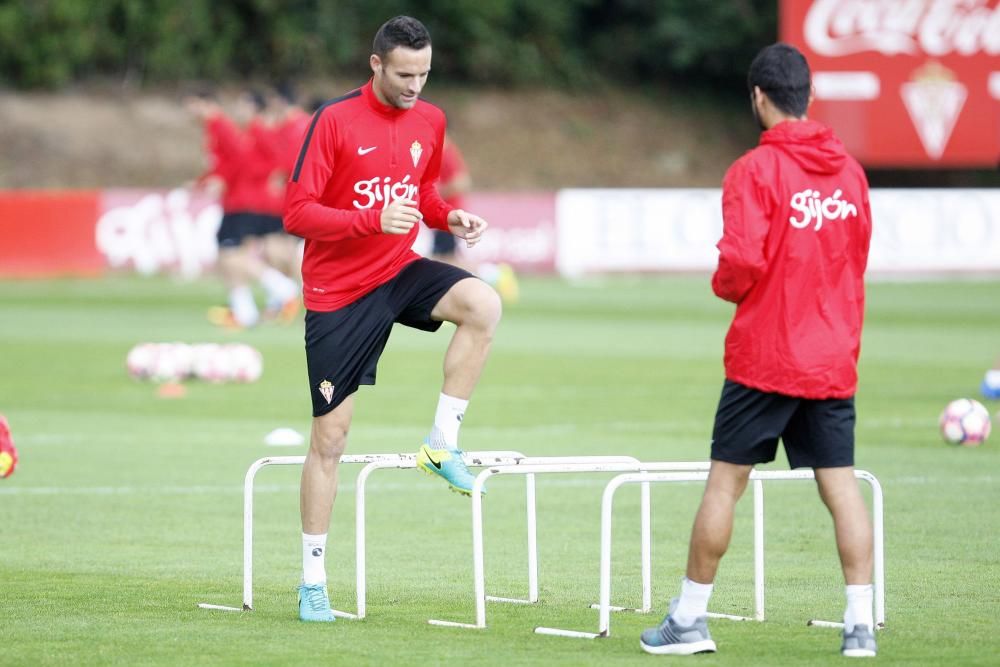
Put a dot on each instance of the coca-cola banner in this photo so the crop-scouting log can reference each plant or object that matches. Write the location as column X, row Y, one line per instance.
column 905, row 83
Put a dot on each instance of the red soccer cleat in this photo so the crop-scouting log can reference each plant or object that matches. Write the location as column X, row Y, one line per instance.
column 8, row 453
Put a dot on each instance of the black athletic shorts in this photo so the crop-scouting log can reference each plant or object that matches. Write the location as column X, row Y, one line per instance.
column 815, row 433
column 343, row 346
column 269, row 224
column 235, row 227
column 444, row 243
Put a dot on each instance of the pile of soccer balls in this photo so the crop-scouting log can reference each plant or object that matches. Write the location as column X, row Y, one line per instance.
column 211, row 362
column 966, row 422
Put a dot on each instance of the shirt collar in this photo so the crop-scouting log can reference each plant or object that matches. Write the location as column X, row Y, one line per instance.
column 381, row 109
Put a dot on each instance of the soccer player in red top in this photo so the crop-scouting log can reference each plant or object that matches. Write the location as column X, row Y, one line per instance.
column 363, row 181
column 796, row 231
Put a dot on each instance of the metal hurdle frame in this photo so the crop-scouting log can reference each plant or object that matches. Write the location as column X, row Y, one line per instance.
column 373, row 462
column 605, row 608
column 403, row 461
column 581, row 464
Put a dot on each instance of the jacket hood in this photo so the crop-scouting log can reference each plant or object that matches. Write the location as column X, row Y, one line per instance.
column 809, row 143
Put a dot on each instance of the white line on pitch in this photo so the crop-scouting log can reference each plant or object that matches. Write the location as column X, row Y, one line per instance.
column 417, row 485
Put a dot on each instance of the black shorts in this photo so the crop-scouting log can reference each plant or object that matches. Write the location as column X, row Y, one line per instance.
column 444, row 243
column 269, row 224
column 815, row 433
column 343, row 346
column 235, row 227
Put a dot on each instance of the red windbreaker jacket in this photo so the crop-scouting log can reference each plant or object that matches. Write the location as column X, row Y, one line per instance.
column 357, row 156
column 796, row 229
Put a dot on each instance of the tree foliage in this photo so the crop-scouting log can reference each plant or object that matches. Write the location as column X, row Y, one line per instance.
column 51, row 43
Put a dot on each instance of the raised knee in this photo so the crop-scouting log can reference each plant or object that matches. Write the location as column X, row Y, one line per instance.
column 486, row 310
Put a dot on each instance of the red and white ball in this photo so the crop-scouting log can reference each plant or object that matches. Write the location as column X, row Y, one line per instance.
column 965, row 422
column 245, row 363
column 139, row 361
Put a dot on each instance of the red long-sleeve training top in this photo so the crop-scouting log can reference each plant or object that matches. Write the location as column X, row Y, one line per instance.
column 796, row 231
column 357, row 156
column 231, row 158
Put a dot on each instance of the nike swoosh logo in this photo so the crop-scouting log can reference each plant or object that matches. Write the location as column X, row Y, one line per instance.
column 433, row 462
column 365, row 151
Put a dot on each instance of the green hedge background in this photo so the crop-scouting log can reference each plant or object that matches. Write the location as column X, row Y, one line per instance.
column 53, row 43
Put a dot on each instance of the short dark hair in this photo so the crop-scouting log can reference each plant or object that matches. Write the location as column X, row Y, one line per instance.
column 403, row 31
column 782, row 73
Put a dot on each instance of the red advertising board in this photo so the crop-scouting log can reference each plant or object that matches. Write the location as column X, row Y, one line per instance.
column 905, row 83
column 48, row 234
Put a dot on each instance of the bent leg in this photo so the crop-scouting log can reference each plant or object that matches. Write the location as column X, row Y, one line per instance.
column 713, row 524
column 838, row 487
column 474, row 307
column 319, row 473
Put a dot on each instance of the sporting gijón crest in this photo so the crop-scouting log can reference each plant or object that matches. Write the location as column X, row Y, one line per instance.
column 326, row 389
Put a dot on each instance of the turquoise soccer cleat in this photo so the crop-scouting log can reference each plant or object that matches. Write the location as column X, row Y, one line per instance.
column 314, row 603
column 447, row 464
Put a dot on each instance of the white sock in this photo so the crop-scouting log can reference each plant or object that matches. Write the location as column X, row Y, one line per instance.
column 279, row 287
column 243, row 306
column 447, row 421
column 313, row 559
column 859, row 607
column 693, row 602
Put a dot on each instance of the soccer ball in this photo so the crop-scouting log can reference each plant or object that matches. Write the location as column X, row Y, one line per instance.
column 8, row 453
column 245, row 363
column 211, row 363
column 965, row 422
column 140, row 360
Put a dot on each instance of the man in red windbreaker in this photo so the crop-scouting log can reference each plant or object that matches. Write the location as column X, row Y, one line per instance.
column 364, row 179
column 796, row 230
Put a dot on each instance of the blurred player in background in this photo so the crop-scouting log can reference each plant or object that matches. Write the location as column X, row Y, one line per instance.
column 228, row 154
column 364, row 180
column 241, row 156
column 794, row 248
column 453, row 184
column 276, row 128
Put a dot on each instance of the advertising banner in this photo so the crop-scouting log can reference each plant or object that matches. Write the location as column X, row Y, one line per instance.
column 156, row 231
column 522, row 231
column 913, row 231
column 46, row 234
column 904, row 83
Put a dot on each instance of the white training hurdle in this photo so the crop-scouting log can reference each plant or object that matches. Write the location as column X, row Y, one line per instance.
column 509, row 462
column 374, row 462
column 371, row 463
column 757, row 476
column 644, row 473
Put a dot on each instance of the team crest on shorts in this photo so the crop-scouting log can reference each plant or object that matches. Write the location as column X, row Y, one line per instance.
column 416, row 150
column 326, row 388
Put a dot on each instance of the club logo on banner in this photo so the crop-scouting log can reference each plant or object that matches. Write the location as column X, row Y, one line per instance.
column 934, row 99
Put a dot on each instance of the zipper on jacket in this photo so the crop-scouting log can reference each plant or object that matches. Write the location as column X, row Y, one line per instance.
column 392, row 146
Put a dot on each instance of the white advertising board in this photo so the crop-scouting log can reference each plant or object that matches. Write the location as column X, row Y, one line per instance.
column 914, row 231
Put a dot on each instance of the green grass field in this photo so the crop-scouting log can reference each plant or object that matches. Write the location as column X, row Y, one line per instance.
column 125, row 510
